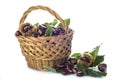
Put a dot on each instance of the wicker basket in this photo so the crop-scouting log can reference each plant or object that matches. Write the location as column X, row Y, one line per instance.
column 45, row 51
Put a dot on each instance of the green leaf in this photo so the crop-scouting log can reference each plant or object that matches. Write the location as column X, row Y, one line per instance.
column 90, row 72
column 98, row 60
column 82, row 68
column 59, row 70
column 36, row 25
column 76, row 55
column 51, row 69
column 67, row 22
column 60, row 26
column 47, row 24
column 54, row 22
column 49, row 31
column 95, row 51
column 51, row 24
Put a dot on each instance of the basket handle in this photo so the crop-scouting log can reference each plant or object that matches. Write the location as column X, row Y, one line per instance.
column 52, row 12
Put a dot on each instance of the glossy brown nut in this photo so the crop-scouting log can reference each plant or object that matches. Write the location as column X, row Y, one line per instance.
column 69, row 66
column 86, row 59
column 102, row 67
column 30, row 27
column 80, row 73
column 18, row 33
column 26, row 27
column 35, row 34
column 75, row 70
column 65, row 71
column 72, row 60
column 41, row 29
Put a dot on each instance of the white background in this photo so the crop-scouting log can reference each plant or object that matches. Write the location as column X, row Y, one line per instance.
column 94, row 22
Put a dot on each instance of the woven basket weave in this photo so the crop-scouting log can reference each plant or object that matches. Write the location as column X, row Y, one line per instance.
column 45, row 51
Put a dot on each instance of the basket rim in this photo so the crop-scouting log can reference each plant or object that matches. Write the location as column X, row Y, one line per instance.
column 43, row 37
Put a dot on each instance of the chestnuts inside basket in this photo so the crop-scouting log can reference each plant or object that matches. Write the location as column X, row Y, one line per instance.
column 53, row 28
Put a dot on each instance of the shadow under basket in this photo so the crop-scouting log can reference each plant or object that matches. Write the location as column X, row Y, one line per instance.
column 45, row 51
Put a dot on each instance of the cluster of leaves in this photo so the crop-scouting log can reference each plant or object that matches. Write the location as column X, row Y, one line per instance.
column 55, row 23
column 49, row 30
column 89, row 71
column 97, row 60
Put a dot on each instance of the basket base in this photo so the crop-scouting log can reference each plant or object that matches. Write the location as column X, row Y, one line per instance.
column 42, row 64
